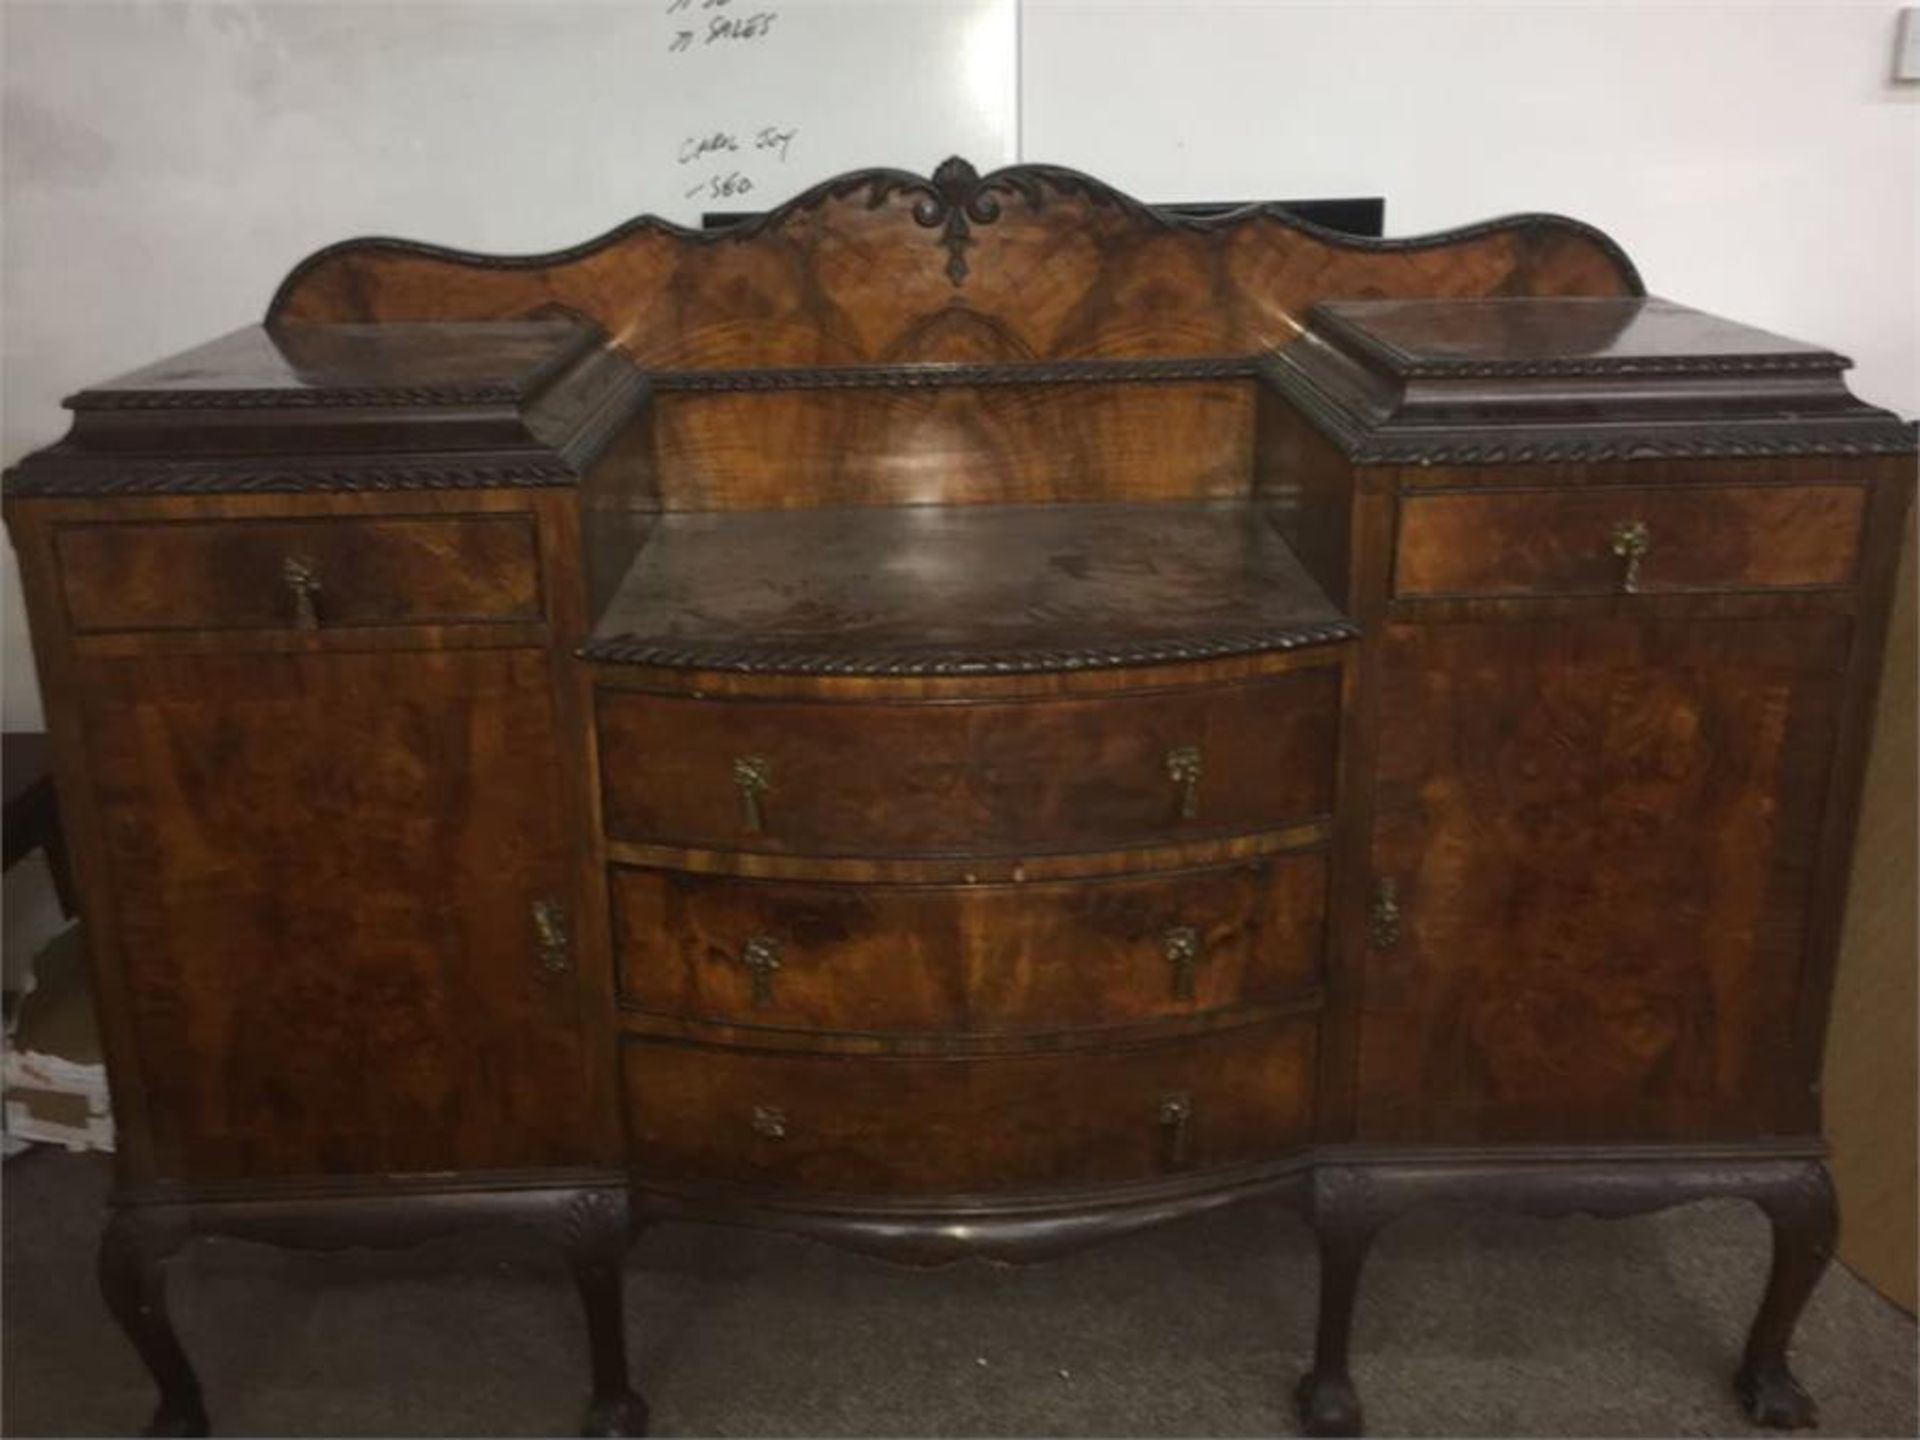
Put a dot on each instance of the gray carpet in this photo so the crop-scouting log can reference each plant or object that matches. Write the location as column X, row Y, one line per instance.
column 1470, row 1324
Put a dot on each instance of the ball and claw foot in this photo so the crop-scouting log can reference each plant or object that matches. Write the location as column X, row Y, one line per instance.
column 622, row 1415
column 1773, row 1398
column 170, row 1421
column 1328, row 1405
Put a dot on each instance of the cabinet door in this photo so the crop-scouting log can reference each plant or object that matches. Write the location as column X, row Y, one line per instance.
column 1600, row 837
column 341, row 887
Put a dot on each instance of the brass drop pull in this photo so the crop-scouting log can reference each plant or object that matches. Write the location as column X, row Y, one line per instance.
column 770, row 1122
column 1631, row 541
column 555, row 947
column 1383, row 919
column 1176, row 1121
column 303, row 579
column 761, row 956
column 1182, row 946
column 754, row 775
column 1184, row 768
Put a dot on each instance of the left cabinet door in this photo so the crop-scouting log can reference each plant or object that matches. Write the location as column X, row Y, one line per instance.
column 343, row 908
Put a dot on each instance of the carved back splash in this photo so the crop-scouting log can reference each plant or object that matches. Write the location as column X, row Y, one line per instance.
column 1032, row 263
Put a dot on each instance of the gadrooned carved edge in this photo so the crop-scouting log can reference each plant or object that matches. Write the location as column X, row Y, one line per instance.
column 934, row 376
column 1873, row 432
column 773, row 660
column 954, row 200
column 418, row 396
column 101, row 477
column 1331, row 322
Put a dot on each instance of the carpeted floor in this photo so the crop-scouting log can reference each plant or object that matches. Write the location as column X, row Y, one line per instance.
column 1470, row 1324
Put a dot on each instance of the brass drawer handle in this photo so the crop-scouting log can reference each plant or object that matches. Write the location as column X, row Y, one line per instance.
column 1630, row 542
column 1184, row 768
column 1176, row 1123
column 302, row 577
column 555, row 948
column 1383, row 918
column 754, row 775
column 770, row 1122
column 761, row 956
column 1182, row 946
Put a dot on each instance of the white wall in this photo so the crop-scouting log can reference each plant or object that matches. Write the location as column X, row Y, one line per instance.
column 165, row 163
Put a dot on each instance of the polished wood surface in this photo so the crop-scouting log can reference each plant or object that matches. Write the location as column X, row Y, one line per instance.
column 1026, row 264
column 906, row 1126
column 1630, row 807
column 359, row 990
column 932, row 779
column 957, row 590
column 1736, row 537
column 235, row 575
column 1079, row 954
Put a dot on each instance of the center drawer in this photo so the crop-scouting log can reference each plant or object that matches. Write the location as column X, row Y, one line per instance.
column 888, row 1125
column 973, row 959
column 967, row 778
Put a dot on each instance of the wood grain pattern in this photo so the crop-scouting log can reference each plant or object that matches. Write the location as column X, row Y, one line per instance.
column 1603, row 834
column 953, row 445
column 970, row 959
column 230, row 575
column 878, row 780
column 323, row 868
column 846, row 274
column 1725, row 537
column 947, row 1127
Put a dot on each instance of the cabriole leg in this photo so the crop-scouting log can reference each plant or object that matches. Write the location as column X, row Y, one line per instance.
column 1344, row 1221
column 597, row 1231
column 133, row 1278
column 1805, row 1223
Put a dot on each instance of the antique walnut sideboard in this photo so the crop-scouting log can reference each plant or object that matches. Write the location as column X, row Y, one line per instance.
column 963, row 716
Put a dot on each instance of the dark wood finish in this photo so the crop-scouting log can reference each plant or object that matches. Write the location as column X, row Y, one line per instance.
column 233, row 575
column 1353, row 1199
column 589, row 1222
column 976, row 590
column 973, row 958
column 911, row 1126
column 954, row 510
column 875, row 779
column 1632, row 808
column 400, row 1016
column 1033, row 262
column 1734, row 537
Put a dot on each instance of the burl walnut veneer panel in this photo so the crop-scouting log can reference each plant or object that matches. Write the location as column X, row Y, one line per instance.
column 970, row 958
column 324, row 870
column 827, row 1124
column 1603, row 834
column 877, row 779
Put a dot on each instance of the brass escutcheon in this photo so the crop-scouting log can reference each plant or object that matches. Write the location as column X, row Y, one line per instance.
column 1182, row 946
column 555, row 948
column 761, row 956
column 770, row 1122
column 302, row 577
column 1383, row 919
column 1176, row 1120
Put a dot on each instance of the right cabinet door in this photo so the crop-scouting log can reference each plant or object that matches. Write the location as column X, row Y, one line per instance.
column 1593, row 859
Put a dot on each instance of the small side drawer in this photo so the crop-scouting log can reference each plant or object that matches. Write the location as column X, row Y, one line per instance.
column 969, row 958
column 299, row 574
column 1016, row 777
column 839, row 1124
column 1628, row 540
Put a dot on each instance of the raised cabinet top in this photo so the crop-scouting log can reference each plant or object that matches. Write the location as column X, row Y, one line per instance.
column 1031, row 263
column 1482, row 382
column 349, row 407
